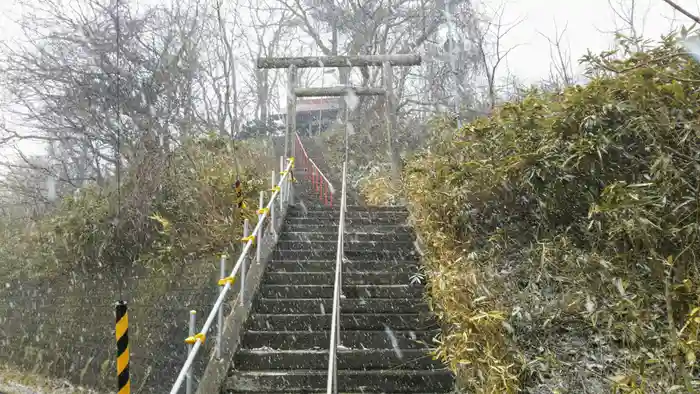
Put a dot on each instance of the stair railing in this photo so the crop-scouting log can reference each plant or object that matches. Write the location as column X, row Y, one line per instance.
column 332, row 384
column 281, row 195
column 323, row 186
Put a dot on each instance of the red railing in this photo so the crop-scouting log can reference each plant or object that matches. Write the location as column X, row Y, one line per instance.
column 320, row 183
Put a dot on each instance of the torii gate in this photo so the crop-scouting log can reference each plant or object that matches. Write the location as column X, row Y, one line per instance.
column 293, row 92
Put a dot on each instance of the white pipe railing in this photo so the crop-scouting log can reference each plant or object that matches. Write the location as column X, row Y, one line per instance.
column 281, row 191
column 332, row 385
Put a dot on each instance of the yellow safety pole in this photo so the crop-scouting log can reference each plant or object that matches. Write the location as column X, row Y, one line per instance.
column 122, row 333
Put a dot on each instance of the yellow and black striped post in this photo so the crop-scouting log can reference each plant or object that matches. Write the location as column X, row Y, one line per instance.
column 124, row 384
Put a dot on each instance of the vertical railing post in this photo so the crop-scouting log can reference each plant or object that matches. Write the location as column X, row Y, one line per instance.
column 220, row 316
column 288, row 185
column 246, row 233
column 193, row 322
column 335, row 378
column 273, row 217
column 282, row 194
column 313, row 177
column 260, row 235
column 290, row 179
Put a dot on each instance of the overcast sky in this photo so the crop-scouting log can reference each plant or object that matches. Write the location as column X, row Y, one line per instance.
column 587, row 23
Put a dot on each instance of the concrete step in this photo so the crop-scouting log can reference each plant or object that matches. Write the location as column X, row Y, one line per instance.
column 311, row 202
column 355, row 339
column 348, row 266
column 305, row 191
column 324, row 227
column 362, row 208
column 308, row 185
column 335, row 214
column 316, row 391
column 405, row 236
column 310, row 198
column 357, row 321
column 349, row 305
column 349, row 291
column 328, row 278
column 380, row 381
column 357, row 359
column 350, row 253
column 308, row 188
column 333, row 244
column 305, row 186
column 351, row 220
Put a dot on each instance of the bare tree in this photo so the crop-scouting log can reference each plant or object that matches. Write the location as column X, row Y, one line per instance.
column 100, row 85
column 487, row 38
column 371, row 27
column 269, row 30
column 441, row 77
column 227, row 61
column 627, row 18
column 683, row 11
column 375, row 27
column 561, row 73
column 629, row 21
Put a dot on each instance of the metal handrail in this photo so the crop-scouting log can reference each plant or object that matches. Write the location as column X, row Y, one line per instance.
column 317, row 176
column 332, row 384
column 282, row 188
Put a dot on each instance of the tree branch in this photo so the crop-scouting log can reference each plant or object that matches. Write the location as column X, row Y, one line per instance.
column 683, row 11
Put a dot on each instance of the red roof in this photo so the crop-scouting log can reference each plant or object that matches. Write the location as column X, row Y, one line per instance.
column 318, row 104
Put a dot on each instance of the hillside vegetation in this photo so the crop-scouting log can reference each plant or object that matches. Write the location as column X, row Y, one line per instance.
column 178, row 213
column 170, row 208
column 562, row 233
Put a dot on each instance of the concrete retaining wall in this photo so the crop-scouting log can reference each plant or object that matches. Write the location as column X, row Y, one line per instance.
column 64, row 326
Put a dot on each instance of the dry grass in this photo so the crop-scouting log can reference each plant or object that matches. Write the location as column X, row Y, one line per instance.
column 13, row 381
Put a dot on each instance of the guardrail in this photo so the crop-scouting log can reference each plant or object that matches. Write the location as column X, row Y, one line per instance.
column 332, row 385
column 319, row 181
column 281, row 191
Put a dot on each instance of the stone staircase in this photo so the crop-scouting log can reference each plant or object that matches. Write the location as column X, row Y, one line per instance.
column 386, row 327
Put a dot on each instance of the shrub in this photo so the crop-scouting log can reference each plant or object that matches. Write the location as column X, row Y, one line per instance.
column 174, row 208
column 562, row 233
